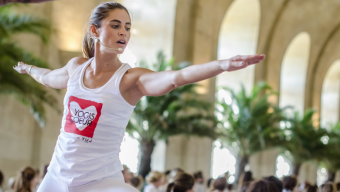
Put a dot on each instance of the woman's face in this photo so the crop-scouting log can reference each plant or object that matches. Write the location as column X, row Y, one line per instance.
column 115, row 30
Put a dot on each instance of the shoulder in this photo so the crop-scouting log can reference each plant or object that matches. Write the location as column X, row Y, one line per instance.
column 139, row 70
column 74, row 63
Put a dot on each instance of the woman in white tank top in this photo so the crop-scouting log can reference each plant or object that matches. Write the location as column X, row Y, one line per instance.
column 101, row 95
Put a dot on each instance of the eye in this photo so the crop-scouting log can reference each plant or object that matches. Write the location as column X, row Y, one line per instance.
column 128, row 29
column 115, row 26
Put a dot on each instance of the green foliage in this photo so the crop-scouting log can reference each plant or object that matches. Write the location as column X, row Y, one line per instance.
column 177, row 112
column 22, row 86
column 248, row 123
column 331, row 155
column 302, row 139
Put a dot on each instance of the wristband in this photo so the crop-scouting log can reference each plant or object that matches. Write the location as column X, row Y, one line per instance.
column 29, row 71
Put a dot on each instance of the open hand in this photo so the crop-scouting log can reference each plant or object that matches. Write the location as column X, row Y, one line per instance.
column 21, row 67
column 240, row 62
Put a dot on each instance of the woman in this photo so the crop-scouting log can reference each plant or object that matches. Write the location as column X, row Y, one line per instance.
column 154, row 180
column 26, row 180
column 182, row 183
column 101, row 95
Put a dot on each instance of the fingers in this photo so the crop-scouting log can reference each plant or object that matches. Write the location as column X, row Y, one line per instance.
column 248, row 58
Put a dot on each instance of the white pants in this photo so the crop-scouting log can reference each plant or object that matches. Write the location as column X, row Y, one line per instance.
column 109, row 184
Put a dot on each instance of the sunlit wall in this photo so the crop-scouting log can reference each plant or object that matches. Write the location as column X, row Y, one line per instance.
column 330, row 96
column 293, row 72
column 239, row 36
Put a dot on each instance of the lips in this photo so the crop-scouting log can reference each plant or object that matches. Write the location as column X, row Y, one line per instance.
column 123, row 42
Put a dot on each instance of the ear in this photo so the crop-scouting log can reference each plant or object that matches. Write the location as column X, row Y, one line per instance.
column 94, row 31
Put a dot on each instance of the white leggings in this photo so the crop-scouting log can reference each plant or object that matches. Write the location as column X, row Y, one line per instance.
column 109, row 184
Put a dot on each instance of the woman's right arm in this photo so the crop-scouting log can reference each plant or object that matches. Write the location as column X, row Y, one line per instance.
column 57, row 78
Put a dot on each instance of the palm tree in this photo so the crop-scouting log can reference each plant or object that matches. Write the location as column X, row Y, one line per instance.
column 331, row 154
column 249, row 123
column 178, row 112
column 302, row 140
column 23, row 87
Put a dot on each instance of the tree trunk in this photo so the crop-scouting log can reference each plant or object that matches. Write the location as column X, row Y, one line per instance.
column 331, row 175
column 296, row 169
column 241, row 164
column 145, row 162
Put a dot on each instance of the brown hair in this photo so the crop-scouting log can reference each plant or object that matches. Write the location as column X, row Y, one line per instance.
column 220, row 183
column 98, row 14
column 326, row 187
column 289, row 183
column 23, row 180
column 182, row 183
column 262, row 186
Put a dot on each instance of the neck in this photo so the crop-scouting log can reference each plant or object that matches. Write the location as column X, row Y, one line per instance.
column 104, row 60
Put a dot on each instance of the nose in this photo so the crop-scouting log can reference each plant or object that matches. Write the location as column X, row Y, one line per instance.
column 122, row 32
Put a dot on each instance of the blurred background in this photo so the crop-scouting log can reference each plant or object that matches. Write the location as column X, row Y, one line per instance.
column 277, row 118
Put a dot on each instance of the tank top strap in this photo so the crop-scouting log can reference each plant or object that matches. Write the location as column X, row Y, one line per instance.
column 74, row 78
column 120, row 74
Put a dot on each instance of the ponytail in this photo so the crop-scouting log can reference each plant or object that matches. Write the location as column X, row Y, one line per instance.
column 88, row 45
column 23, row 181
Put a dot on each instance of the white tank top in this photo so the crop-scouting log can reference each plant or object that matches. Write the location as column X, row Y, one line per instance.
column 93, row 128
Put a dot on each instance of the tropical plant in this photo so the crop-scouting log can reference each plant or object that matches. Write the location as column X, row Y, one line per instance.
column 177, row 112
column 23, row 87
column 248, row 123
column 303, row 141
column 331, row 154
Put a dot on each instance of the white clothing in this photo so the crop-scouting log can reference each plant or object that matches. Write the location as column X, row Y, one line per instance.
column 198, row 187
column 150, row 188
column 92, row 129
column 109, row 184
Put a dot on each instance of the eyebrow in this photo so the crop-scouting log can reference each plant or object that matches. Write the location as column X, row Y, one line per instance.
column 115, row 20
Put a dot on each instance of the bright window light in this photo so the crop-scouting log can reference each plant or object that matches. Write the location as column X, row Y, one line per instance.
column 129, row 153
column 282, row 167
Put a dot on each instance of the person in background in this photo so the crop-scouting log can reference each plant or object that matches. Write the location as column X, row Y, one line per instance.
column 1, row 180
column 220, row 184
column 327, row 187
column 210, row 185
column 229, row 188
column 338, row 187
column 164, row 181
column 275, row 181
column 183, row 182
column 289, row 184
column 262, row 186
column 26, row 180
column 303, row 187
column 137, row 182
column 246, row 181
column 154, row 180
column 127, row 174
column 174, row 173
column 10, row 184
column 312, row 188
column 199, row 180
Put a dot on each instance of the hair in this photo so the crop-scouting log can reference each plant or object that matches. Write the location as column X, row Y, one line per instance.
column 154, row 176
column 198, row 175
column 262, row 186
column 135, row 181
column 24, row 178
column 98, row 14
column 248, row 176
column 182, row 183
column 326, row 187
column 289, row 182
column 338, row 186
column 209, row 182
column 220, row 183
column 1, row 178
column 275, row 181
column 230, row 187
column 312, row 188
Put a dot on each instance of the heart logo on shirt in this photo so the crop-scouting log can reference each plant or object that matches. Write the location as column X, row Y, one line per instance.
column 83, row 116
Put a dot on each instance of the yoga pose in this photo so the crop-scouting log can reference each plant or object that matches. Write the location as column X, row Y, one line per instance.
column 101, row 95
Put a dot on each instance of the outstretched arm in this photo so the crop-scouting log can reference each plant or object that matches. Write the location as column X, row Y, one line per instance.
column 57, row 78
column 159, row 83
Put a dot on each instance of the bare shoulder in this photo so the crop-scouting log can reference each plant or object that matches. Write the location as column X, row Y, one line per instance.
column 74, row 63
column 139, row 71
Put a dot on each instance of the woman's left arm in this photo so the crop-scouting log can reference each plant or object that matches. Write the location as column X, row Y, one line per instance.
column 159, row 83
